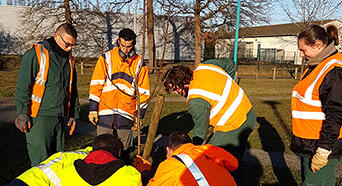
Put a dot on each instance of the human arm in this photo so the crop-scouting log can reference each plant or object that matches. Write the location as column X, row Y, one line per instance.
column 167, row 173
column 144, row 89
column 331, row 99
column 27, row 73
column 95, row 90
column 28, row 69
column 74, row 100
column 200, row 112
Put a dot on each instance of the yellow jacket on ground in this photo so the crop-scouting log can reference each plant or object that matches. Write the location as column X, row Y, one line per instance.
column 49, row 171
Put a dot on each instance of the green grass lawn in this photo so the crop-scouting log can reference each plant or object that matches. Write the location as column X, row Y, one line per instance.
column 271, row 133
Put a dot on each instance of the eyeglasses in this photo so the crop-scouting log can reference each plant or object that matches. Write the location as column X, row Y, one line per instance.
column 68, row 44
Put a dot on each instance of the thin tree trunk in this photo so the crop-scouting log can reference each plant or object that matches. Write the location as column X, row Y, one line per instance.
column 150, row 36
column 67, row 11
column 198, row 39
column 137, row 90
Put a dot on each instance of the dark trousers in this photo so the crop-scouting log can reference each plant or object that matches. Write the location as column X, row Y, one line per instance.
column 324, row 177
column 45, row 138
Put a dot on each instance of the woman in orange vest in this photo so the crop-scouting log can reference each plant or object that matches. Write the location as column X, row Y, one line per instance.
column 316, row 106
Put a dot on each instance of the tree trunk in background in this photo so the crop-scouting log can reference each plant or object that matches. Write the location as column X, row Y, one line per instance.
column 150, row 37
column 198, row 39
column 67, row 11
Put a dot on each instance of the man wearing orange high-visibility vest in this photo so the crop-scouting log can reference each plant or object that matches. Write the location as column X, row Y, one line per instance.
column 188, row 164
column 215, row 99
column 112, row 89
column 46, row 94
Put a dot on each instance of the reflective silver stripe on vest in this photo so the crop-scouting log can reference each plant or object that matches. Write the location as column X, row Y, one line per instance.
column 307, row 99
column 36, row 98
column 46, row 168
column 49, row 172
column 308, row 115
column 195, row 171
column 40, row 78
column 109, row 68
column 136, row 72
column 232, row 108
column 71, row 70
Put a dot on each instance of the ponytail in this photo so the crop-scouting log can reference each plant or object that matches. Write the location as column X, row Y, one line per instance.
column 316, row 32
column 332, row 33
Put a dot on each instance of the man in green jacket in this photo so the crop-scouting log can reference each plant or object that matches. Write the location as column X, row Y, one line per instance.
column 46, row 94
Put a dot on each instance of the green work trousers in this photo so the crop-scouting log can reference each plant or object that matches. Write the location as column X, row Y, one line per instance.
column 45, row 138
column 235, row 141
column 324, row 177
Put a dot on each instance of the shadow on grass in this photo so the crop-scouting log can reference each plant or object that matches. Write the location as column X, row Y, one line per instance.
column 272, row 143
column 179, row 121
column 84, row 111
column 14, row 158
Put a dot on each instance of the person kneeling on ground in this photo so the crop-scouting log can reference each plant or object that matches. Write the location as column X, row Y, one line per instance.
column 84, row 167
column 187, row 164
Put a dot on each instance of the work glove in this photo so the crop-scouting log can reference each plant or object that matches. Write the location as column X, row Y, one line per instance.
column 72, row 125
column 141, row 164
column 320, row 159
column 93, row 117
column 23, row 122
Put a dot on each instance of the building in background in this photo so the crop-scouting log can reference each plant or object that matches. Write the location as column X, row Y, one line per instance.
column 272, row 43
column 101, row 34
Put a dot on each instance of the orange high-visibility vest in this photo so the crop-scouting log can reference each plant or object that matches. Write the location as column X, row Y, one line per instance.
column 229, row 103
column 112, row 84
column 306, row 107
column 199, row 165
column 41, row 78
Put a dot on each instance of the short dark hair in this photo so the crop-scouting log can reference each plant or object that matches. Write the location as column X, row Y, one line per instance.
column 177, row 76
column 176, row 139
column 108, row 142
column 128, row 35
column 68, row 29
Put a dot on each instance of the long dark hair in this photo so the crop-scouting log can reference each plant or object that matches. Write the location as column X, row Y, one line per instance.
column 316, row 32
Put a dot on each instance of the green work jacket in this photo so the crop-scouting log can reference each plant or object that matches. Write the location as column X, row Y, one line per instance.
column 55, row 98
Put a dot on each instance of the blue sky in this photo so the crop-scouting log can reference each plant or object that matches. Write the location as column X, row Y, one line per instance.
column 277, row 15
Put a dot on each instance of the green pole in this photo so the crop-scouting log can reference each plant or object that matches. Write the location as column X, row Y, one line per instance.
column 236, row 33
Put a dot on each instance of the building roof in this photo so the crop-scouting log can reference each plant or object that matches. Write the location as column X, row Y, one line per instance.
column 289, row 29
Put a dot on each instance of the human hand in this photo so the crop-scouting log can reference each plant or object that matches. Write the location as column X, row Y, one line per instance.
column 23, row 122
column 93, row 117
column 141, row 164
column 72, row 125
column 320, row 159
